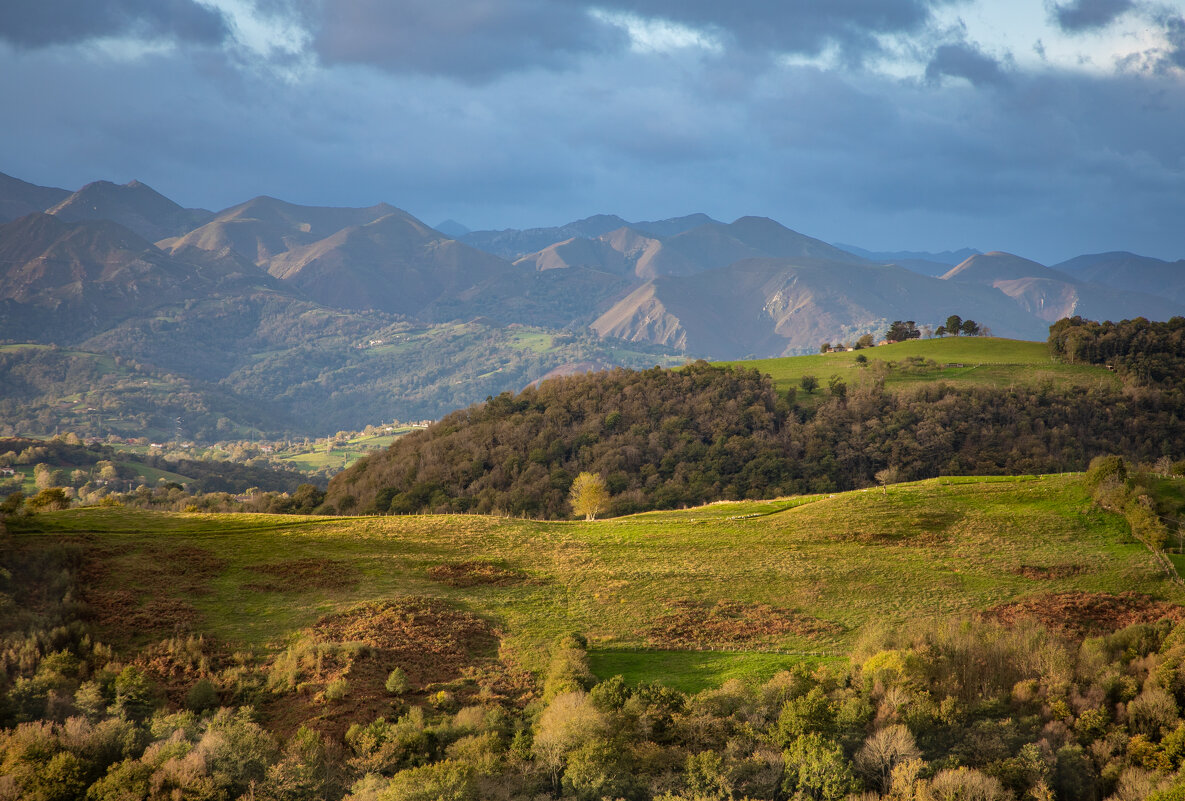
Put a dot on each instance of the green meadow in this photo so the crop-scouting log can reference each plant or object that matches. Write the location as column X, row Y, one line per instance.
column 968, row 361
column 689, row 597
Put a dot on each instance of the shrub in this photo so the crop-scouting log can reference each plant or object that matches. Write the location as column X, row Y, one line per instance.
column 201, row 696
column 397, row 682
column 336, row 690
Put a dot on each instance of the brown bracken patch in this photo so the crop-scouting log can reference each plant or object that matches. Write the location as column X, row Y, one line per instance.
column 298, row 575
column 694, row 625
column 177, row 663
column 434, row 644
column 142, row 592
column 471, row 574
column 430, row 640
column 1048, row 572
column 1086, row 614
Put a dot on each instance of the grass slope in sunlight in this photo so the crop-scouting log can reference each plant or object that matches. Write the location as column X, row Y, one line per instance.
column 975, row 361
column 690, row 597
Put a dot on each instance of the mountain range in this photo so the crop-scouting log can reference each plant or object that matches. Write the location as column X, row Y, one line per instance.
column 122, row 269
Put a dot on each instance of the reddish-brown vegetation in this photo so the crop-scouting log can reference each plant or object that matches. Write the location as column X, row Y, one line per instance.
column 1086, row 614
column 695, row 625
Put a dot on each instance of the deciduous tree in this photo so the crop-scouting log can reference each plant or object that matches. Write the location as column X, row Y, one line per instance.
column 589, row 495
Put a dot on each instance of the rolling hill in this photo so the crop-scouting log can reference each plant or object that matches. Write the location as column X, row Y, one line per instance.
column 962, row 543
column 834, row 562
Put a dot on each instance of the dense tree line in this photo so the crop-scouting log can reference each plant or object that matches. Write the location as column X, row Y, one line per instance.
column 663, row 439
column 1150, row 352
column 944, row 713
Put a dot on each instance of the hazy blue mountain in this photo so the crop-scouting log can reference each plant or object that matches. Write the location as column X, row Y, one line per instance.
column 452, row 228
column 513, row 243
column 1130, row 271
column 920, row 261
column 1051, row 294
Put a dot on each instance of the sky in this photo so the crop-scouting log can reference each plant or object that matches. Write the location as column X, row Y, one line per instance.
column 1046, row 128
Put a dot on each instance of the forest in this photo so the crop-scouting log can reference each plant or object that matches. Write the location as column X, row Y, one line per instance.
column 664, row 439
column 1149, row 352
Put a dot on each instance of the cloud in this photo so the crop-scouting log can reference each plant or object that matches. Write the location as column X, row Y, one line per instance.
column 1078, row 16
column 475, row 40
column 1174, row 29
column 792, row 26
column 533, row 115
column 43, row 23
column 964, row 60
column 478, row 40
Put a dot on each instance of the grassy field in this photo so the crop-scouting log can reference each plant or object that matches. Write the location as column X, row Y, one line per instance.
column 689, row 597
column 978, row 361
column 342, row 456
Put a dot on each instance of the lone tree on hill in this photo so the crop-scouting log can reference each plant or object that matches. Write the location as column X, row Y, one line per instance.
column 954, row 324
column 809, row 383
column 890, row 475
column 589, row 495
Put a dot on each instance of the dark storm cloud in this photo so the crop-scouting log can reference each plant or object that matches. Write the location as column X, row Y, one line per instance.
column 40, row 23
column 1046, row 163
column 477, row 39
column 470, row 39
column 963, row 60
column 1088, row 15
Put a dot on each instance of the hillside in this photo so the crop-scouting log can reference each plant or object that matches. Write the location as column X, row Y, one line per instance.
column 662, row 439
column 958, row 361
column 430, row 657
column 276, row 366
column 968, row 545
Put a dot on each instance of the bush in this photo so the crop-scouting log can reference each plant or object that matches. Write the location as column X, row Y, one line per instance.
column 336, row 690
column 397, row 683
column 201, row 696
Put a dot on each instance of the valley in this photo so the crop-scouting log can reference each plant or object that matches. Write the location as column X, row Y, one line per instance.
column 291, row 320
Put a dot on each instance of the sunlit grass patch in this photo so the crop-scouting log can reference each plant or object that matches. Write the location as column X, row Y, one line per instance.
column 819, row 568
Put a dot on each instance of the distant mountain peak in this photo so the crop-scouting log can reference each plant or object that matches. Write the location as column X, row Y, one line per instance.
column 134, row 205
column 452, row 228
